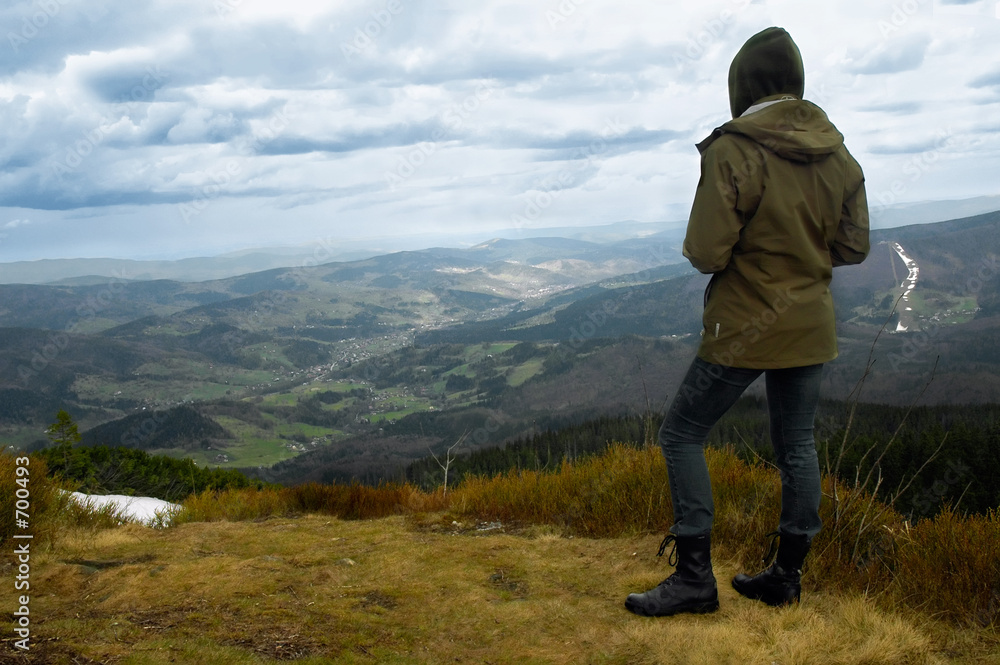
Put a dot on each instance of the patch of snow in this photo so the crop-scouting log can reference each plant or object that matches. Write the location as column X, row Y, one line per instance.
column 143, row 509
column 909, row 283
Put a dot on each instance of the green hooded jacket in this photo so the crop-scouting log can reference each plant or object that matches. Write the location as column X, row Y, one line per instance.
column 780, row 202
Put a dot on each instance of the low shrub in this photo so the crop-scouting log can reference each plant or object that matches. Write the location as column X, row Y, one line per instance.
column 50, row 508
column 353, row 501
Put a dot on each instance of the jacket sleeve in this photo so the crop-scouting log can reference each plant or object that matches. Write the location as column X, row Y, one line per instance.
column 715, row 222
column 851, row 245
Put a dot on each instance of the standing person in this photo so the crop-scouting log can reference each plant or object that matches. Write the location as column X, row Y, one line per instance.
column 780, row 202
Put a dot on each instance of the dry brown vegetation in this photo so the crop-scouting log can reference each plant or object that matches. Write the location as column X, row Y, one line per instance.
column 524, row 567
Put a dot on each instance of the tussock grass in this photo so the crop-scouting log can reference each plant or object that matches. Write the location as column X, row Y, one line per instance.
column 44, row 499
column 233, row 505
column 315, row 589
column 51, row 510
column 623, row 491
column 948, row 566
column 393, row 574
column 353, row 501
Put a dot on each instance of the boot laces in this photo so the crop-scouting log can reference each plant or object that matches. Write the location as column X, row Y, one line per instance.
column 773, row 547
column 671, row 539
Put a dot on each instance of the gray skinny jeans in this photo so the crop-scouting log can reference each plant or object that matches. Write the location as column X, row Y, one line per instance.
column 706, row 393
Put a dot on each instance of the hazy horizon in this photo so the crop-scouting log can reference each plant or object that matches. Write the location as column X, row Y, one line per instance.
column 334, row 249
column 186, row 128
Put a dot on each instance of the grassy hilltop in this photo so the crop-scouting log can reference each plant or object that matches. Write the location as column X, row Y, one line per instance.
column 523, row 567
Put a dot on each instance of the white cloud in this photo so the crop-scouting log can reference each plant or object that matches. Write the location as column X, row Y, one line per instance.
column 444, row 115
column 902, row 54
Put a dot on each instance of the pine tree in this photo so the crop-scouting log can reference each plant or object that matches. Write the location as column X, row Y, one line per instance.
column 63, row 433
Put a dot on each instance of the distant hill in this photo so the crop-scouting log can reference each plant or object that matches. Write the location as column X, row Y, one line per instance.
column 179, row 427
column 511, row 270
column 951, row 254
column 94, row 271
column 924, row 212
column 99, row 271
column 368, row 363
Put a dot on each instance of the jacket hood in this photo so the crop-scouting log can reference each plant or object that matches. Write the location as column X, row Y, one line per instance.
column 793, row 129
column 768, row 64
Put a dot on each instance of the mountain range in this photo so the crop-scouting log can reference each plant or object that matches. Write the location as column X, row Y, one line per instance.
column 373, row 362
column 82, row 271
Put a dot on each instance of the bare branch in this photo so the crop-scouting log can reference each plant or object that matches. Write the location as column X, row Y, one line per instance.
column 448, row 458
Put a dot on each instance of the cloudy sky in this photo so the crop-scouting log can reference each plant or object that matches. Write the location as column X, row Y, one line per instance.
column 170, row 128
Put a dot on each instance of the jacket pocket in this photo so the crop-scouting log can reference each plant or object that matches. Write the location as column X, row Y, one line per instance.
column 708, row 289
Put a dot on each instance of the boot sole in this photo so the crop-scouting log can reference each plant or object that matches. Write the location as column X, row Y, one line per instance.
column 773, row 602
column 700, row 608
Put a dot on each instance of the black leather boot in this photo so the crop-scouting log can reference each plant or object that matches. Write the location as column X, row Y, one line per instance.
column 690, row 589
column 780, row 583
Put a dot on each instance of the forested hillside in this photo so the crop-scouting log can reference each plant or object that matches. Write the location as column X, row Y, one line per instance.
column 925, row 459
column 356, row 370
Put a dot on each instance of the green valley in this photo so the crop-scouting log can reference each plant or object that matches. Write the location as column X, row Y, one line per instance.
column 359, row 369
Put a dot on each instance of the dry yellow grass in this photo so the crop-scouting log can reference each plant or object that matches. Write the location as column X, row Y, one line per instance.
column 421, row 589
column 406, row 585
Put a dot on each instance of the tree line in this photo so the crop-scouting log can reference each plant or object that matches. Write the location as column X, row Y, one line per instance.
column 129, row 471
column 923, row 459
